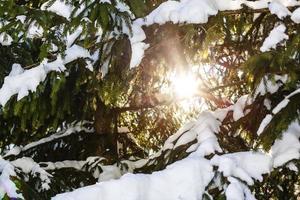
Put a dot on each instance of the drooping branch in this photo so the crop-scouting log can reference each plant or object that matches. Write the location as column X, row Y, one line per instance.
column 249, row 10
column 157, row 100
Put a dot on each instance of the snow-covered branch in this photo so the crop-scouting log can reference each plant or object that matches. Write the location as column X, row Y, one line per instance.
column 198, row 12
column 183, row 12
column 73, row 128
column 25, row 167
column 195, row 172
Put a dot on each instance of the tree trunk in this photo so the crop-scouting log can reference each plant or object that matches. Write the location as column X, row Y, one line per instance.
column 103, row 124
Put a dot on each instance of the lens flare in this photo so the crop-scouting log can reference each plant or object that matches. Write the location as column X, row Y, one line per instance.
column 184, row 85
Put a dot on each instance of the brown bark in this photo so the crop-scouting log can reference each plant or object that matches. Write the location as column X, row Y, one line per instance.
column 103, row 124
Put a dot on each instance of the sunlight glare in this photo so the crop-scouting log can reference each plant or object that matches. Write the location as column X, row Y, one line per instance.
column 184, row 85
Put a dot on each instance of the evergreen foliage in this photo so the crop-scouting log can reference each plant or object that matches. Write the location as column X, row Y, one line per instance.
column 82, row 109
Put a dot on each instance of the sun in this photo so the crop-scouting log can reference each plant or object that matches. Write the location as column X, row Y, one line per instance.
column 184, row 85
column 184, row 89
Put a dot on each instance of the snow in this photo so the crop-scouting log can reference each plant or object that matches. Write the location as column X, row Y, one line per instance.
column 5, row 39
column 236, row 190
column 288, row 147
column 34, row 30
column 191, row 174
column 138, row 50
column 257, row 4
column 186, row 138
column 293, row 93
column 267, row 104
column 247, row 166
column 163, row 12
column 28, row 166
column 229, row 4
column 169, row 142
column 27, row 81
column 14, row 151
column 16, row 69
column 91, row 164
column 203, row 131
column 185, row 179
column 63, row 164
column 276, row 110
column 7, row 186
column 122, row 7
column 188, row 178
column 239, row 106
column 276, row 36
column 75, row 52
column 264, row 124
column 280, row 106
column 109, row 172
column 21, row 18
column 267, row 85
column 105, row 1
column 185, row 11
column 287, row 3
column 21, row 83
column 280, row 10
column 198, row 12
column 58, row 7
column 71, row 37
column 71, row 129
column 296, row 16
column 291, row 166
column 24, row 165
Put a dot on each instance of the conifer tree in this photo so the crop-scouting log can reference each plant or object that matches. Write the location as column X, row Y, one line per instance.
column 83, row 96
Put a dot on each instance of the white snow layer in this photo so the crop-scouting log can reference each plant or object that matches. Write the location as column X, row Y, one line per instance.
column 236, row 190
column 264, row 123
column 5, row 39
column 268, row 118
column 267, row 85
column 59, row 7
column 28, row 166
column 203, row 131
column 7, row 186
column 276, row 36
column 198, row 12
column 21, row 81
column 278, row 9
column 34, row 30
column 296, row 16
column 187, row 178
column 25, row 165
column 91, row 164
column 239, row 106
column 288, row 147
column 247, row 166
column 184, row 11
column 291, row 166
column 71, row 129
